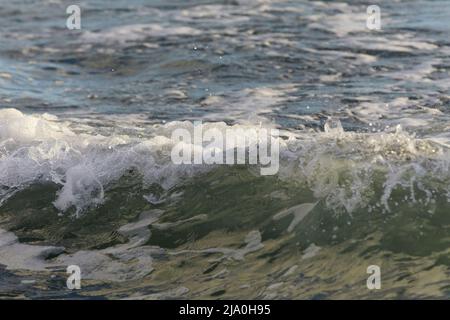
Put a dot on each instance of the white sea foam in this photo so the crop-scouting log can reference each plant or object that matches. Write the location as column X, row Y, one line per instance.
column 16, row 255
column 136, row 32
column 132, row 260
column 401, row 111
column 420, row 72
column 41, row 148
column 248, row 104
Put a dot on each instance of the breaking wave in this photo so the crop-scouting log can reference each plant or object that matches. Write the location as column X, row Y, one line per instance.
column 349, row 170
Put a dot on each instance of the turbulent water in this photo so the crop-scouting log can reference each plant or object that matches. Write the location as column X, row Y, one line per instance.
column 86, row 177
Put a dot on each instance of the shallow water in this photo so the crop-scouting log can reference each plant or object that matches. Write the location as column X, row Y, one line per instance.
column 86, row 177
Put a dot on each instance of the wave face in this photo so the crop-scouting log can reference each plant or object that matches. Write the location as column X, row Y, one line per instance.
column 342, row 168
column 86, row 177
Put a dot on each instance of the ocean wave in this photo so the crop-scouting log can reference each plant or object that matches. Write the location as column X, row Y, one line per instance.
column 344, row 168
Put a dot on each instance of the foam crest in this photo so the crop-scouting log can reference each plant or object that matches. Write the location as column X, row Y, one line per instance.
column 343, row 168
column 346, row 168
column 85, row 164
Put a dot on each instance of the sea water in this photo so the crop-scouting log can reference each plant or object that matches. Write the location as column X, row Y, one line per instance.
column 87, row 179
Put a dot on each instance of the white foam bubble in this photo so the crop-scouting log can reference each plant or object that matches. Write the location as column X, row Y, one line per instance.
column 84, row 164
column 136, row 32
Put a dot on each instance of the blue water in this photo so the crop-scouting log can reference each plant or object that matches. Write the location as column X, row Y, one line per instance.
column 86, row 178
column 109, row 66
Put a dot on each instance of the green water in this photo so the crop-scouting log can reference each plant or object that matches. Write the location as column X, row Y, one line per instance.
column 410, row 246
